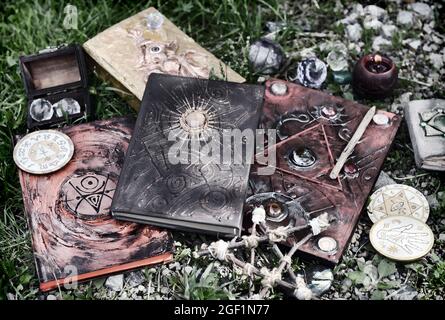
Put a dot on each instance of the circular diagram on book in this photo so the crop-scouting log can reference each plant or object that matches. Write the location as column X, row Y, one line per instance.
column 43, row 152
column 88, row 195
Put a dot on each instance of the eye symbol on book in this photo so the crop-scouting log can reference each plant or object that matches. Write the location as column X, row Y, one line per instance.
column 397, row 206
column 88, row 196
column 214, row 200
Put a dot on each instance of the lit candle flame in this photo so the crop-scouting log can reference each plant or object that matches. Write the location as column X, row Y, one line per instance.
column 377, row 58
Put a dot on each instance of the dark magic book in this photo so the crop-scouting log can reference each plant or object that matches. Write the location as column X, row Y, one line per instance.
column 74, row 236
column 167, row 179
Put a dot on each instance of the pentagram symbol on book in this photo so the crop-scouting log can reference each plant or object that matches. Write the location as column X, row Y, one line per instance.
column 88, row 195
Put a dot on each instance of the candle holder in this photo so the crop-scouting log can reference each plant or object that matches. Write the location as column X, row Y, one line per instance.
column 374, row 76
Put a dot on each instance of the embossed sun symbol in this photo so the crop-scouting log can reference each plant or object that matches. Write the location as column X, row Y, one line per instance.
column 196, row 119
column 332, row 113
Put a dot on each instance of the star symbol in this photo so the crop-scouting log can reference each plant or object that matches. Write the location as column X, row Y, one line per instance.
column 399, row 204
column 393, row 249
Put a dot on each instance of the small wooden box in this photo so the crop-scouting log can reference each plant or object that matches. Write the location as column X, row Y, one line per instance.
column 56, row 84
column 126, row 53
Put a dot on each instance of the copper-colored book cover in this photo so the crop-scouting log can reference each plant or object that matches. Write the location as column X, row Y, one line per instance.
column 313, row 129
column 74, row 236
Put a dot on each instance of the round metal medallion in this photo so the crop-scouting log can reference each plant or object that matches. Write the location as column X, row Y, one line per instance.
column 401, row 238
column 398, row 199
column 380, row 119
column 43, row 152
column 327, row 244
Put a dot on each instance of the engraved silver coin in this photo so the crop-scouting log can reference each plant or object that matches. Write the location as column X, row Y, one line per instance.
column 67, row 106
column 43, row 152
column 401, row 238
column 327, row 244
column 41, row 110
column 398, row 199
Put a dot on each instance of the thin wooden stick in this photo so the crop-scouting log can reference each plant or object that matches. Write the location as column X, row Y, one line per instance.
column 352, row 143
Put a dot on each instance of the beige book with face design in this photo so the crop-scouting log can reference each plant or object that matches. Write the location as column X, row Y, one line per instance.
column 129, row 51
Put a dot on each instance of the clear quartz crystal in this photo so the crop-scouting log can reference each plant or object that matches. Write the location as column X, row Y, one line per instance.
column 154, row 21
column 302, row 158
column 41, row 110
column 337, row 59
column 68, row 106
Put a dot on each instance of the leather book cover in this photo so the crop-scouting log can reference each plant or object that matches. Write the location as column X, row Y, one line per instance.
column 74, row 236
column 187, row 192
column 313, row 129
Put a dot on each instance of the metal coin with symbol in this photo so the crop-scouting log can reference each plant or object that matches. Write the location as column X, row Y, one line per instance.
column 43, row 152
column 401, row 238
column 398, row 199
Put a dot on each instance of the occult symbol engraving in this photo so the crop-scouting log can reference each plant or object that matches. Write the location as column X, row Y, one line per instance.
column 350, row 170
column 433, row 122
column 176, row 184
column 158, row 203
column 193, row 118
column 276, row 205
column 304, row 162
column 88, row 195
column 402, row 238
column 194, row 121
column 214, row 200
column 334, row 114
column 398, row 200
column 218, row 95
column 287, row 119
column 302, row 158
column 163, row 57
column 44, row 151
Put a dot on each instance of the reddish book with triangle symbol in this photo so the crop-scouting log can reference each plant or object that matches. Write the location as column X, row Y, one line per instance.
column 73, row 234
column 313, row 129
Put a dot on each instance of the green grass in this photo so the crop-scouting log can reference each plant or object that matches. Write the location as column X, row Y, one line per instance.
column 223, row 27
